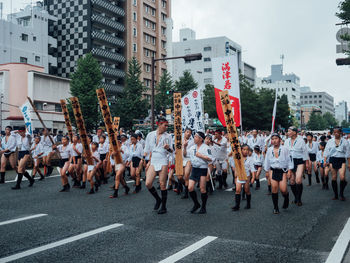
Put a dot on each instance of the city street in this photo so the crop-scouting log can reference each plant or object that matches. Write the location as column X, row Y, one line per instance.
column 48, row 226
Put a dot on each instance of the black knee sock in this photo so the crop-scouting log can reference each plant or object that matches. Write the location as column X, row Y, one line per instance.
column 2, row 177
column 224, row 178
column 238, row 199
column 164, row 198
column 243, row 192
column 343, row 184
column 193, row 196
column 309, row 176
column 249, row 198
column 269, row 188
column 204, row 197
column 335, row 188
column 257, row 181
column 26, row 175
column 327, row 180
column 19, row 179
column 286, row 200
column 293, row 187
column 317, row 178
column 153, row 191
column 220, row 180
column 275, row 200
column 299, row 188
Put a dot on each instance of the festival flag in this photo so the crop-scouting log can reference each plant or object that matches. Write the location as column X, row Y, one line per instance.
column 25, row 109
column 274, row 113
column 225, row 77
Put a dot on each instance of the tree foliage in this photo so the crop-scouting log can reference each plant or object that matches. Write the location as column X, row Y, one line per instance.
column 163, row 99
column 209, row 101
column 344, row 11
column 321, row 122
column 345, row 124
column 330, row 120
column 131, row 104
column 85, row 80
column 185, row 83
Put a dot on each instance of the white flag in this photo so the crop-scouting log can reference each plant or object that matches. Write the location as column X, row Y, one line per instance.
column 191, row 113
column 25, row 109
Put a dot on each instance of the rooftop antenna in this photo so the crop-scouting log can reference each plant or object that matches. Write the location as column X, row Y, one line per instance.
column 282, row 58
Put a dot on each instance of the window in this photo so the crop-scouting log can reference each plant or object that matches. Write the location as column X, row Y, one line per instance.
column 147, row 9
column 153, row 40
column 163, row 17
column 208, row 80
column 147, row 52
column 147, row 38
column 207, row 59
column 134, row 47
column 187, row 62
column 147, row 67
column 153, row 26
column 23, row 60
column 34, row 38
column 163, row 4
column 134, row 2
column 279, row 89
column 58, row 107
column 24, row 37
column 134, row 16
column 315, row 96
column 320, row 96
column 153, row 12
column 282, row 89
column 134, row 31
column 37, row 59
column 207, row 69
column 38, row 105
column 163, row 30
column 207, row 48
column 320, row 101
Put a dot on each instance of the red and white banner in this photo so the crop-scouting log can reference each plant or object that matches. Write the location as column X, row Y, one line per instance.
column 225, row 77
column 191, row 113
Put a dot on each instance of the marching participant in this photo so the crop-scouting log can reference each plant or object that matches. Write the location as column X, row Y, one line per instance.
column 8, row 148
column 187, row 143
column 92, row 170
column 249, row 168
column 85, row 166
column 158, row 145
column 120, row 168
column 210, row 182
column 299, row 154
column 37, row 152
column 258, row 158
column 277, row 161
column 220, row 143
column 48, row 153
column 200, row 157
column 324, row 170
column 135, row 157
column 255, row 140
column 23, row 143
column 76, row 164
column 65, row 153
column 103, row 149
column 312, row 148
column 338, row 150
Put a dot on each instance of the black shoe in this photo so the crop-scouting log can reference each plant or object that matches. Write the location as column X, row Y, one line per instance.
column 32, row 181
column 247, row 206
column 41, row 178
column 16, row 187
column 115, row 194
column 162, row 211
column 235, row 208
column 96, row 187
column 276, row 211
column 83, row 185
column 170, row 187
column 127, row 189
column 195, row 208
column 157, row 205
column 202, row 211
column 65, row 188
column 185, row 195
column 91, row 191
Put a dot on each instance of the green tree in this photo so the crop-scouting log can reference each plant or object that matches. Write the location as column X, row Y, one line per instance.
column 283, row 114
column 209, row 101
column 316, row 122
column 186, row 83
column 266, row 102
column 330, row 120
column 163, row 98
column 131, row 103
column 85, row 80
column 344, row 11
column 345, row 124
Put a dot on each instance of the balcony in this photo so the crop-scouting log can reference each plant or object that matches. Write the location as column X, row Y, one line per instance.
column 112, row 72
column 99, row 52
column 107, row 22
column 108, row 38
column 106, row 6
column 112, row 88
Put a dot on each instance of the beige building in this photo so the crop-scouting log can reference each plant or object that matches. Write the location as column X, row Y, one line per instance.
column 147, row 24
column 306, row 111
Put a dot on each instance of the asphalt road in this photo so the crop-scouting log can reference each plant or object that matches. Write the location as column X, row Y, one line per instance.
column 298, row 234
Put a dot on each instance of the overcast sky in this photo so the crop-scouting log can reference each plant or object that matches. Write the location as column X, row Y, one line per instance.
column 303, row 30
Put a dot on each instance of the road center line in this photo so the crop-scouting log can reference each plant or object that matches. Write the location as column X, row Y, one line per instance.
column 58, row 243
column 340, row 246
column 188, row 250
column 21, row 219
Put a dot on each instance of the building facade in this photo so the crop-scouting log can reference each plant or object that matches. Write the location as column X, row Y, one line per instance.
column 19, row 80
column 322, row 99
column 341, row 111
column 95, row 26
column 306, row 111
column 148, row 27
column 24, row 38
column 201, row 70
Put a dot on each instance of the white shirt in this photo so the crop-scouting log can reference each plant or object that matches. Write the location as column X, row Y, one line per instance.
column 249, row 166
column 258, row 159
column 135, row 150
column 157, row 149
column 126, row 153
column 282, row 161
column 320, row 157
column 37, row 149
column 45, row 141
column 221, row 150
column 313, row 148
column 79, row 148
column 298, row 149
column 252, row 142
column 189, row 145
column 340, row 151
column 96, row 155
column 65, row 151
column 24, row 143
column 199, row 162
column 103, row 148
column 10, row 144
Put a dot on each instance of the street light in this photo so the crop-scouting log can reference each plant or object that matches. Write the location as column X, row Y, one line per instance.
column 187, row 58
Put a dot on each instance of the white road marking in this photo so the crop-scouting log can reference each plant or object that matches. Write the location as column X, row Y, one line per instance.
column 58, row 243
column 340, row 247
column 21, row 219
column 24, row 179
column 188, row 250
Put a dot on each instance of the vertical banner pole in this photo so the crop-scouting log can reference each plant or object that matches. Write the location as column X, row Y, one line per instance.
column 102, row 98
column 67, row 119
column 233, row 135
column 178, row 134
column 81, row 127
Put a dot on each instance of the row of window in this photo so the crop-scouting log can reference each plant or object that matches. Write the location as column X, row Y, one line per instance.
column 25, row 37
column 40, row 106
column 310, row 96
column 310, row 102
column 25, row 60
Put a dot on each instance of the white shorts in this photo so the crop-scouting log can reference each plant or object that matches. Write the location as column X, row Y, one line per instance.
column 243, row 181
column 185, row 160
column 47, row 150
column 158, row 164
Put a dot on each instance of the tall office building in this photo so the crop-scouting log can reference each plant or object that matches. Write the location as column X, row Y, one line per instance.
column 321, row 99
column 341, row 111
column 149, row 27
column 95, row 26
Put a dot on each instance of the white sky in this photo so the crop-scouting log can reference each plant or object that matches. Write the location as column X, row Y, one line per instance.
column 303, row 30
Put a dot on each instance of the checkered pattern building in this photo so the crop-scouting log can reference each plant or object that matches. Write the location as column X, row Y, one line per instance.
column 94, row 26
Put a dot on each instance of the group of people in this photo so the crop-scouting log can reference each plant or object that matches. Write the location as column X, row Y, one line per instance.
column 207, row 161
